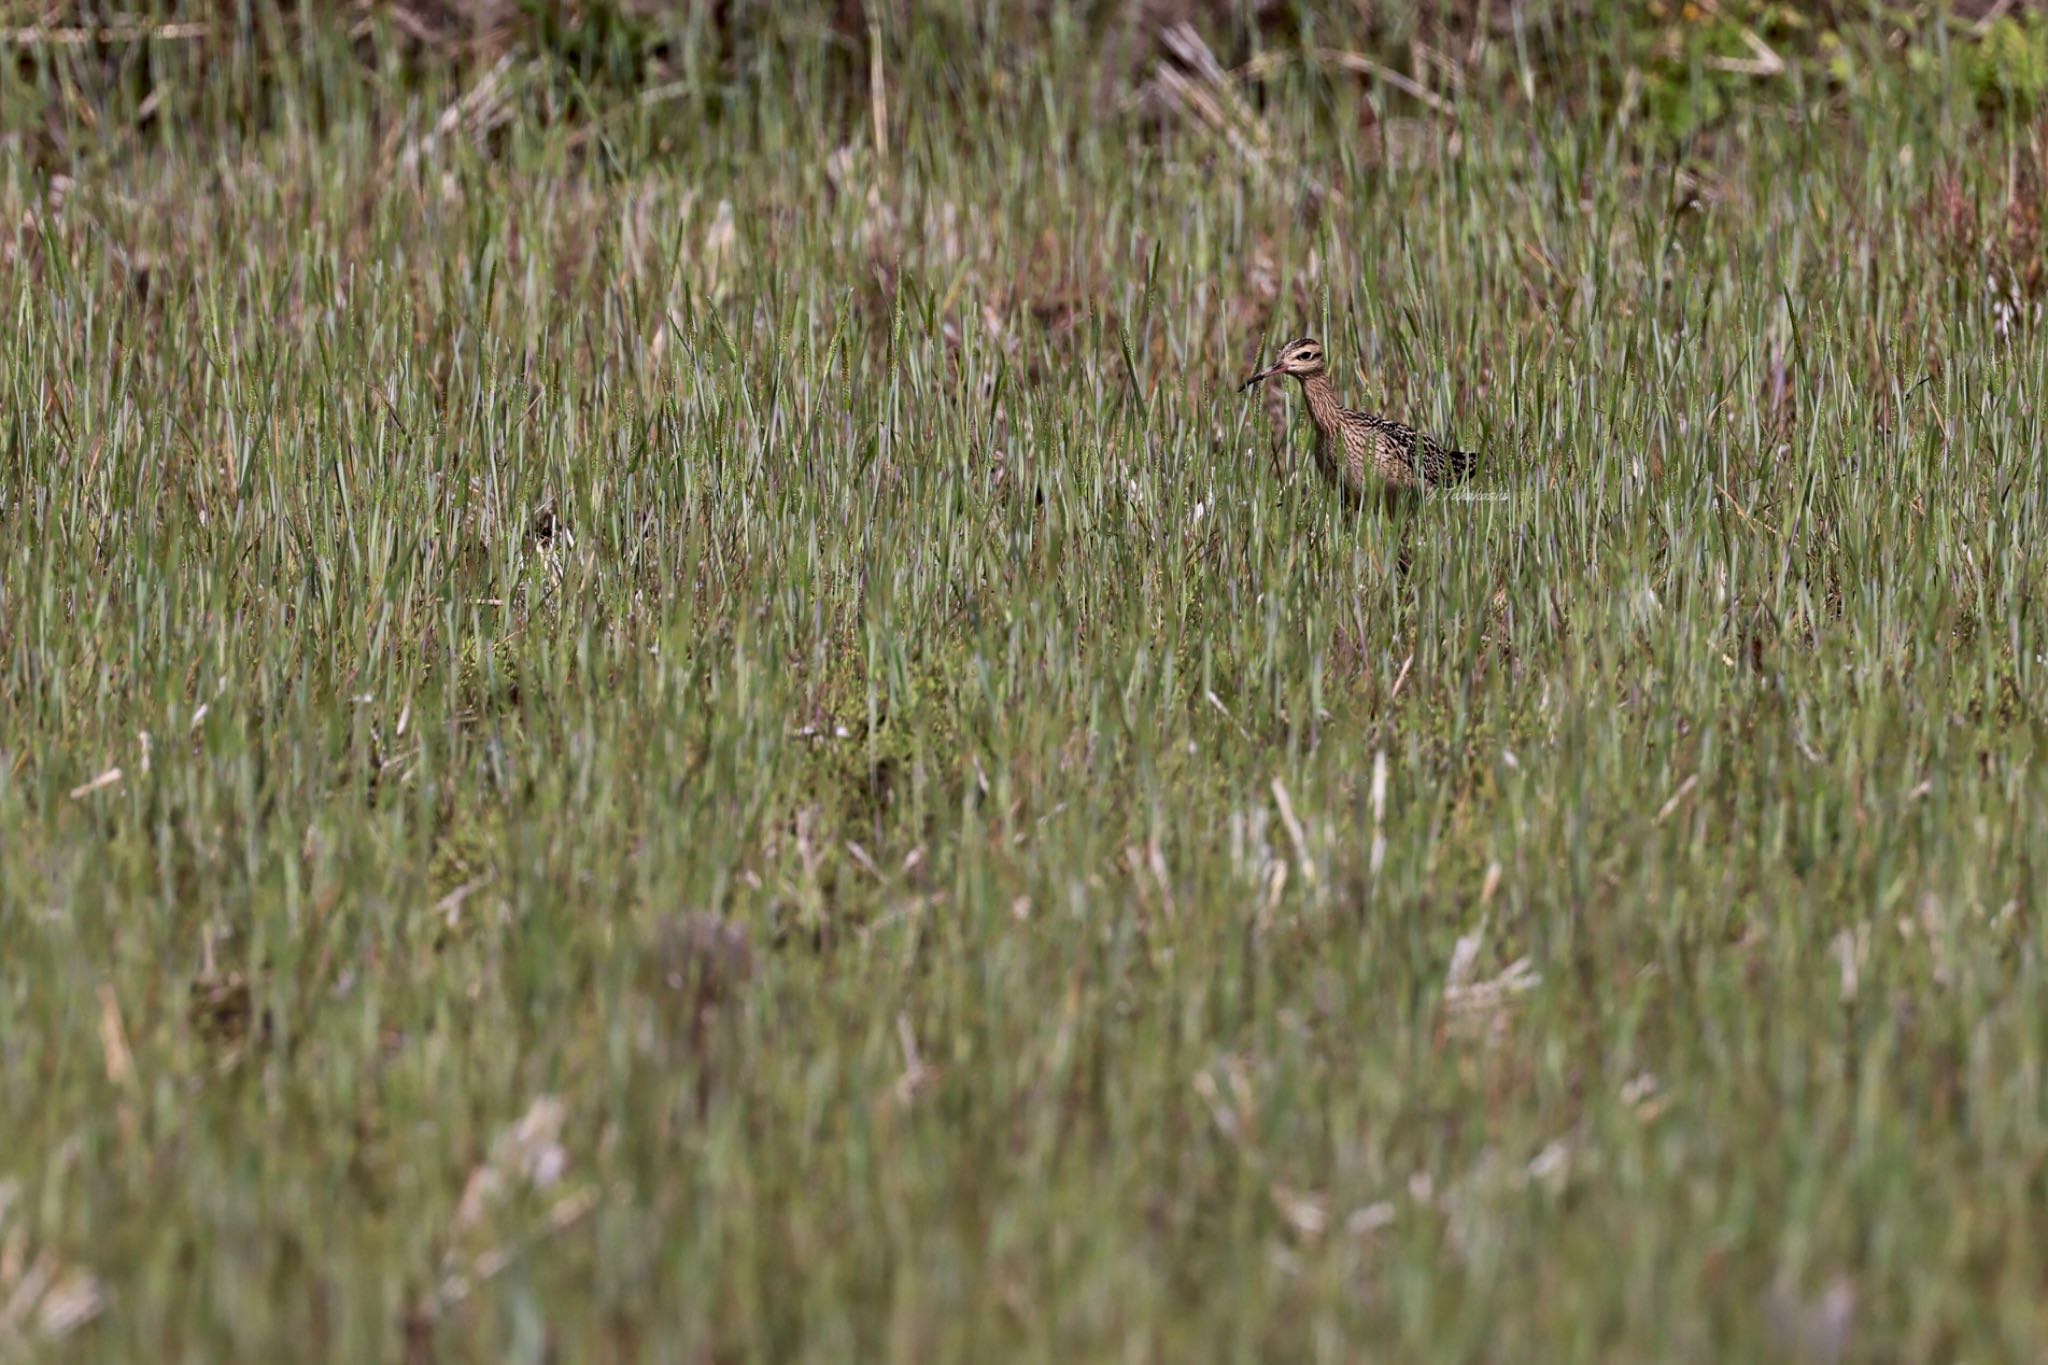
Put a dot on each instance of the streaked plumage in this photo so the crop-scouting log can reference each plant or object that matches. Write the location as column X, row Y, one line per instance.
column 1353, row 446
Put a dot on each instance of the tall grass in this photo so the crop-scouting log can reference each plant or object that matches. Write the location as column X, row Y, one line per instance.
column 631, row 727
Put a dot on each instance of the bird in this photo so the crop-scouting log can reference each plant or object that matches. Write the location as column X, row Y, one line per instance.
column 1352, row 446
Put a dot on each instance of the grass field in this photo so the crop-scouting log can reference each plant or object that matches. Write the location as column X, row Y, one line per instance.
column 670, row 711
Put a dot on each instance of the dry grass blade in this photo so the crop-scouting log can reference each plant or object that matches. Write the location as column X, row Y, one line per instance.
column 99, row 783
column 1463, row 994
column 1191, row 81
column 1266, row 64
column 878, row 89
column 1677, row 798
column 481, row 107
column 528, row 1153
column 82, row 36
column 1295, row 834
column 1766, row 61
column 120, row 1062
column 56, row 1297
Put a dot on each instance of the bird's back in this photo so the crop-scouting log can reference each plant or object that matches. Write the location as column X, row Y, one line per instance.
column 1400, row 454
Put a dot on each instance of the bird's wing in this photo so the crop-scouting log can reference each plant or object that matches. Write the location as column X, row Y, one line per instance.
column 1441, row 464
column 1402, row 439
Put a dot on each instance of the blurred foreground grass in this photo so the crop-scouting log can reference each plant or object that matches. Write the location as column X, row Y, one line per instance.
column 636, row 723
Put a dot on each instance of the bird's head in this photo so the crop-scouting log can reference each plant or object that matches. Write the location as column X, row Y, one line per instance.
column 1300, row 358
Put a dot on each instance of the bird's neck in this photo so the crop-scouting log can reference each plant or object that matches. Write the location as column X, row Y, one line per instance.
column 1323, row 407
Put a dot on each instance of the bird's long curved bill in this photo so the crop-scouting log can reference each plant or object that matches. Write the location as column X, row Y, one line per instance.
column 1266, row 373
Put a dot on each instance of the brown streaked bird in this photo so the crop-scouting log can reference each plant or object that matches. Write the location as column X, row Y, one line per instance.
column 1352, row 446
